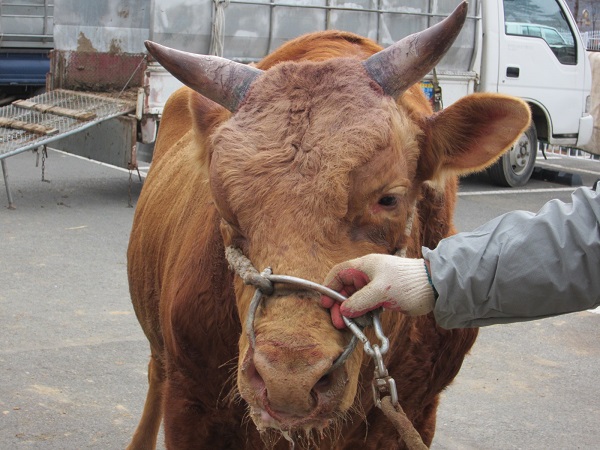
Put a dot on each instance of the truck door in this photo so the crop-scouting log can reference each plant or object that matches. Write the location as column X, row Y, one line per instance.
column 540, row 62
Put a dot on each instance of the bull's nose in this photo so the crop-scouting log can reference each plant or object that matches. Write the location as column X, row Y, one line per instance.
column 294, row 381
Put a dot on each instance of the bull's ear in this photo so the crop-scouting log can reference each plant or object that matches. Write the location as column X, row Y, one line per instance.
column 471, row 134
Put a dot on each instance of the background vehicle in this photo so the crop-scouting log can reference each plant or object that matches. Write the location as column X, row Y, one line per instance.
column 531, row 50
column 26, row 38
column 552, row 75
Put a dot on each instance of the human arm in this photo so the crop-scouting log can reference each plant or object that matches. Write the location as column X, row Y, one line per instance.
column 519, row 266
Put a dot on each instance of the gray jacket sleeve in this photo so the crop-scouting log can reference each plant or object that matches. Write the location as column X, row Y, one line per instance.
column 520, row 266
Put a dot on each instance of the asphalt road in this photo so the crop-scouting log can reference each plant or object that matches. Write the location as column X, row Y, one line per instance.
column 73, row 358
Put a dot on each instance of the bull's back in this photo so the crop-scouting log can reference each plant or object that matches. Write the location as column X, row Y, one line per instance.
column 321, row 46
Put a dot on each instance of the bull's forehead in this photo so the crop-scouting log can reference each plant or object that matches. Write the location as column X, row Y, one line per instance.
column 302, row 132
column 310, row 111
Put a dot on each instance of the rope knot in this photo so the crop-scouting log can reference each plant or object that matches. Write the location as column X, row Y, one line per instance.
column 247, row 272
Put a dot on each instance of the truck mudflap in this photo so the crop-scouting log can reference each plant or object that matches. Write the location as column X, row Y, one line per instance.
column 95, row 126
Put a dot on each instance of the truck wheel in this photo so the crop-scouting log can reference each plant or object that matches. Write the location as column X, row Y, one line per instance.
column 515, row 167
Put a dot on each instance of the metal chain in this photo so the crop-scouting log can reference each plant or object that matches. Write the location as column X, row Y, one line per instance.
column 383, row 384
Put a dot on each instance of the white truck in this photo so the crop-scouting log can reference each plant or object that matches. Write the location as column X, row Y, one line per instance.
column 531, row 49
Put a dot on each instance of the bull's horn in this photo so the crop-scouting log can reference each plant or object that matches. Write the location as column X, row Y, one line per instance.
column 221, row 80
column 407, row 61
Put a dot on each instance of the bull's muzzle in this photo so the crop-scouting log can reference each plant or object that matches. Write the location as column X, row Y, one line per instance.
column 293, row 376
column 289, row 384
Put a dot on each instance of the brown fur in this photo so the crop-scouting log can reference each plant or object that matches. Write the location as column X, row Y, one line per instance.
column 293, row 178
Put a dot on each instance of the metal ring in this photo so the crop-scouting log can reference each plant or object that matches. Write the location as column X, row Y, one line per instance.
column 250, row 317
column 254, row 305
column 264, row 283
column 256, row 300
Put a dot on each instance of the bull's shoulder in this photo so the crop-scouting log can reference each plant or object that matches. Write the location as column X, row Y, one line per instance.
column 321, row 46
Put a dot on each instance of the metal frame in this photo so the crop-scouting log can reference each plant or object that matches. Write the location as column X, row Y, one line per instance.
column 13, row 142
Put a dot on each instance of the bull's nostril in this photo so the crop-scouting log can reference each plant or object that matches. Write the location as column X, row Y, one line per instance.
column 323, row 383
column 256, row 381
column 329, row 387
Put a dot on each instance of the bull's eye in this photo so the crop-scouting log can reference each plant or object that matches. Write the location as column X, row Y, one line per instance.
column 388, row 201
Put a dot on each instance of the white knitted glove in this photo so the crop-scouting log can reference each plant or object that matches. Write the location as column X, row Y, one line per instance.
column 372, row 281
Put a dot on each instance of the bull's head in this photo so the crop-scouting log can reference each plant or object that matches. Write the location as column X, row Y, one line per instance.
column 313, row 163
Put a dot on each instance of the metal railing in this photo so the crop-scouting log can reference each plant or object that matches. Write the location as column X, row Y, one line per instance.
column 591, row 40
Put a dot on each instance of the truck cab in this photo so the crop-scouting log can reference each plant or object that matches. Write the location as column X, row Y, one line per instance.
column 533, row 50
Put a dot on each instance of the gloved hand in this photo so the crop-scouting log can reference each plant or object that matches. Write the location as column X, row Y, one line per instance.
column 399, row 284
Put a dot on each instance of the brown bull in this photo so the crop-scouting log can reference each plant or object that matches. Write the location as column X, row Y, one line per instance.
column 315, row 156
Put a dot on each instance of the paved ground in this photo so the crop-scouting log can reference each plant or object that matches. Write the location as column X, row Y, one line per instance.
column 73, row 359
column 72, row 356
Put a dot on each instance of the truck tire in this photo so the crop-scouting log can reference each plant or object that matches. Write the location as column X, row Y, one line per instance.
column 515, row 167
